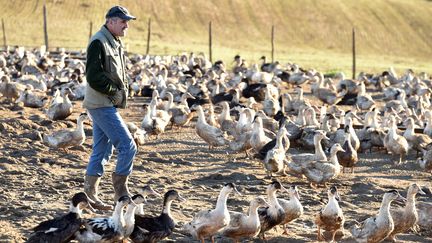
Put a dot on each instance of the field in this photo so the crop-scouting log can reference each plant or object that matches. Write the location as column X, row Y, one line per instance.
column 37, row 181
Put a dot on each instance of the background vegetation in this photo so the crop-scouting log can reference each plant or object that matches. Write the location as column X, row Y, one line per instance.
column 311, row 33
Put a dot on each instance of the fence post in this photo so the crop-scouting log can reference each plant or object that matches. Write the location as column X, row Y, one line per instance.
column 210, row 42
column 91, row 30
column 272, row 43
column 45, row 26
column 148, row 36
column 354, row 54
column 4, row 35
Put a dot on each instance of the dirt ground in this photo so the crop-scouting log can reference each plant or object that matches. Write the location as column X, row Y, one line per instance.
column 37, row 182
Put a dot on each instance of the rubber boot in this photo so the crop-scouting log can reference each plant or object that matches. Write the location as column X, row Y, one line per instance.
column 120, row 186
column 91, row 185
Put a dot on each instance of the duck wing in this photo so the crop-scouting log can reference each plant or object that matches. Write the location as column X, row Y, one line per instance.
column 60, row 229
column 102, row 226
column 153, row 224
column 366, row 228
column 236, row 219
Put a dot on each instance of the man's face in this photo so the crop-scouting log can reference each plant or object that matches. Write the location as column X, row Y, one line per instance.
column 118, row 26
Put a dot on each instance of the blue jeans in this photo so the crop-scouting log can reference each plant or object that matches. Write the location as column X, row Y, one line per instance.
column 109, row 132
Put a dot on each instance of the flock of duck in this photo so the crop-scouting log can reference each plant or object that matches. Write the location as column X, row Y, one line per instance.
column 250, row 110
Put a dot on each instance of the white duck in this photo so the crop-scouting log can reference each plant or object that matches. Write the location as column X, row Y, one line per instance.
column 213, row 136
column 68, row 138
column 292, row 207
column 129, row 216
column 61, row 107
column 406, row 218
column 275, row 160
column 245, row 225
column 394, row 143
column 274, row 214
column 376, row 229
column 331, row 218
column 258, row 138
column 318, row 172
column 110, row 229
column 207, row 223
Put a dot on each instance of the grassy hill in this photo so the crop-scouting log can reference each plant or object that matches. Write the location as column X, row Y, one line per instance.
column 309, row 32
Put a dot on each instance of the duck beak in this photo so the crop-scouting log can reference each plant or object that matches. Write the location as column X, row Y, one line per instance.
column 284, row 189
column 337, row 197
column 133, row 203
column 326, row 138
column 400, row 198
column 235, row 189
column 89, row 205
column 297, row 195
column 182, row 199
column 421, row 192
column 153, row 192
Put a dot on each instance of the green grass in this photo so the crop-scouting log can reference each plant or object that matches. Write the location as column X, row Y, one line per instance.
column 314, row 34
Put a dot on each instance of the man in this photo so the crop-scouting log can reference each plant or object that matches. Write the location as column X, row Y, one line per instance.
column 105, row 92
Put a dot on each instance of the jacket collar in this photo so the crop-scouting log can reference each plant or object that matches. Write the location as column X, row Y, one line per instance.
column 115, row 43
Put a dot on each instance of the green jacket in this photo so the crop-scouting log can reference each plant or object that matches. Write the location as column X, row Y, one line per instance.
column 105, row 72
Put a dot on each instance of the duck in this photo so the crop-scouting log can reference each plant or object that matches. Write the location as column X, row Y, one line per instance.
column 61, row 107
column 262, row 153
column 154, row 125
column 318, row 172
column 129, row 216
column 258, row 138
column 275, row 160
column 349, row 157
column 269, row 123
column 32, row 99
column 207, row 223
column 377, row 228
column 299, row 102
column 292, row 207
column 331, row 217
column 328, row 96
column 211, row 117
column 63, row 228
column 428, row 128
column 139, row 135
column 310, row 116
column 398, row 105
column 245, row 225
column 241, row 143
column 426, row 162
column 371, row 137
column 145, row 191
column 225, row 121
column 181, row 116
column 298, row 159
column 213, row 136
column 407, row 217
column 364, row 100
column 10, row 90
column 274, row 214
column 339, row 135
column 110, row 229
column 244, row 124
column 394, row 143
column 424, row 210
column 66, row 138
column 417, row 141
column 270, row 105
column 154, row 229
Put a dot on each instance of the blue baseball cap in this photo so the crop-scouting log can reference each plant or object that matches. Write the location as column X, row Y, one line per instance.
column 121, row 12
